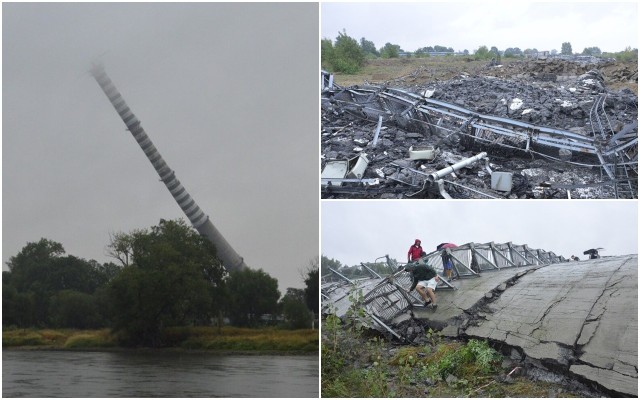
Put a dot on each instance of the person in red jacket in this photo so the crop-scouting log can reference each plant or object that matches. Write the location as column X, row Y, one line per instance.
column 415, row 251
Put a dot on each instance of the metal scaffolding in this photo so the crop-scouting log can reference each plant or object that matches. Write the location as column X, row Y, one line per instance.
column 386, row 301
column 616, row 154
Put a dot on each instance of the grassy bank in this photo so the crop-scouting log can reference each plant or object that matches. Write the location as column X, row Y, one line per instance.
column 354, row 365
column 190, row 338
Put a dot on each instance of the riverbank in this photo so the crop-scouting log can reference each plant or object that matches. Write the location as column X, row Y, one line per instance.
column 357, row 364
column 226, row 340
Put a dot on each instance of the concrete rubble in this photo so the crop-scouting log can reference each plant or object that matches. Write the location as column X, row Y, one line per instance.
column 573, row 322
column 551, row 123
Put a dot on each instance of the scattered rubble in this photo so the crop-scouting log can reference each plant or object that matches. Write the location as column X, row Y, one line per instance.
column 551, row 123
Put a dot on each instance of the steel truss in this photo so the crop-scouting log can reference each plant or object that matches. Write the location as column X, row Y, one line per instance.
column 615, row 153
column 386, row 301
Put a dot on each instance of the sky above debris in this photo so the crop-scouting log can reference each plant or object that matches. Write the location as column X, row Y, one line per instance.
column 611, row 26
column 228, row 93
column 361, row 231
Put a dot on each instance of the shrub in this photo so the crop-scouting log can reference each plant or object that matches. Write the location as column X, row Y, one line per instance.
column 22, row 338
column 89, row 340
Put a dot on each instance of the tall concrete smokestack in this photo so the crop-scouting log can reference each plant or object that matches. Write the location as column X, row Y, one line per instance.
column 200, row 221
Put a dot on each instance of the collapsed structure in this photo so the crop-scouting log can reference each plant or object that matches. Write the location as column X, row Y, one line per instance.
column 200, row 221
column 400, row 136
column 573, row 319
column 385, row 298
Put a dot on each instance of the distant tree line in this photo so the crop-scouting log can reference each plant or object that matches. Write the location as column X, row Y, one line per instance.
column 354, row 272
column 348, row 55
column 165, row 276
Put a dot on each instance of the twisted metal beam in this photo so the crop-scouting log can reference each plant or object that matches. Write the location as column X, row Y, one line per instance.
column 386, row 298
column 609, row 151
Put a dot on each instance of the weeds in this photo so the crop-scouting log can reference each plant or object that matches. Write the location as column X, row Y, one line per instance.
column 205, row 338
column 449, row 369
column 89, row 340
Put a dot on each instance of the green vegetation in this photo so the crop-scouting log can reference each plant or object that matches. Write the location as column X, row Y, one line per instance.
column 236, row 339
column 483, row 53
column 344, row 56
column 356, row 271
column 349, row 57
column 57, row 338
column 356, row 366
column 628, row 55
column 390, row 51
column 252, row 294
column 591, row 51
column 169, row 276
column 188, row 338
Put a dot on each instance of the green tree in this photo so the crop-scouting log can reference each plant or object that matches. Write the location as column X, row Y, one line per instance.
column 369, row 48
column 171, row 280
column 37, row 273
column 326, row 263
column 442, row 49
column 33, row 263
column 327, row 54
column 17, row 308
column 252, row 294
column 592, row 51
column 390, row 51
column 482, row 53
column 421, row 53
column 348, row 56
column 312, row 289
column 294, row 309
column 566, row 48
column 381, row 268
column 627, row 55
column 73, row 309
column 513, row 52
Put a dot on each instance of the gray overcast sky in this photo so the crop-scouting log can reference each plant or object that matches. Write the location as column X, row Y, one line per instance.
column 611, row 26
column 361, row 231
column 228, row 92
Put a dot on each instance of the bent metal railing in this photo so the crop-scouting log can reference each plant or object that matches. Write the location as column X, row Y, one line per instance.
column 386, row 300
column 372, row 103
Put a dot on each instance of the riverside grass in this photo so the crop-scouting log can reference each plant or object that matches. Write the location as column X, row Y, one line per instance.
column 231, row 339
column 358, row 365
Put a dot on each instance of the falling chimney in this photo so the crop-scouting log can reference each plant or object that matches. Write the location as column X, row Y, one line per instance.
column 200, row 221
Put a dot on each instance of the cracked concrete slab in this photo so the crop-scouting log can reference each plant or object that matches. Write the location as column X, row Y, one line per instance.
column 579, row 318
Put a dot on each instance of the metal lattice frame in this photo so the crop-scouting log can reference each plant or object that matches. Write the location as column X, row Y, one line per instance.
column 615, row 154
column 387, row 300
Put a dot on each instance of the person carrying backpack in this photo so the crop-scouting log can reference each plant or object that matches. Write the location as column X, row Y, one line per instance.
column 425, row 280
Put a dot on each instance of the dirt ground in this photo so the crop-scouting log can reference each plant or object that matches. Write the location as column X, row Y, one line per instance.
column 617, row 75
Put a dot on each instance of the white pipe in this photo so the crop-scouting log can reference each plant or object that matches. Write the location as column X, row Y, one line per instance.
column 452, row 168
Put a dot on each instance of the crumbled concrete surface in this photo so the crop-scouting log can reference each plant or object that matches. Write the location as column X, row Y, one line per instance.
column 576, row 318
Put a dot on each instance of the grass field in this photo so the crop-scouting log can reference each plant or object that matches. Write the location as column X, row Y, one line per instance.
column 191, row 338
column 381, row 70
column 409, row 71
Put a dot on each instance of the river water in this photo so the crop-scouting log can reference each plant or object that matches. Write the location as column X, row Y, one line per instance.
column 40, row 373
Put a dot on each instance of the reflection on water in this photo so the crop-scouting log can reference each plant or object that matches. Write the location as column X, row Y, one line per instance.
column 156, row 374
